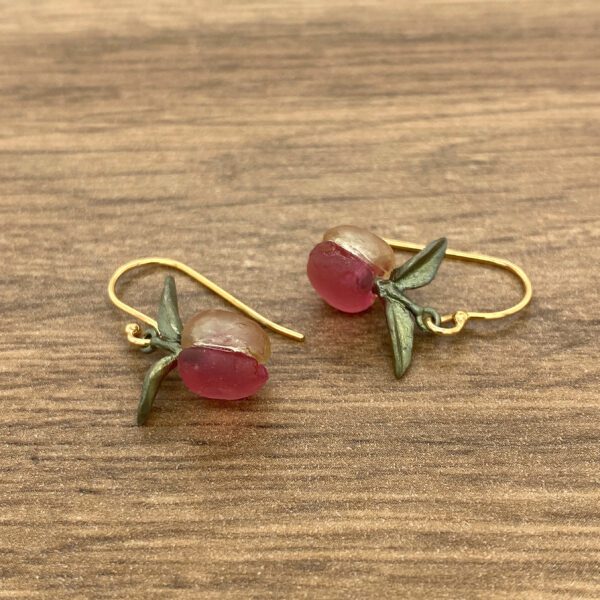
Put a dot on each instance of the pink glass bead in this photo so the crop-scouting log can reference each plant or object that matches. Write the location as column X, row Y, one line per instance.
column 343, row 267
column 342, row 279
column 222, row 355
column 220, row 374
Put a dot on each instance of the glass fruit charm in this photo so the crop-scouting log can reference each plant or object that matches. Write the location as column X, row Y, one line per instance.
column 219, row 354
column 351, row 267
column 222, row 355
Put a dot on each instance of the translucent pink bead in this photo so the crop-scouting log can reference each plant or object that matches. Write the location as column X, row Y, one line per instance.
column 220, row 374
column 341, row 278
column 221, row 356
column 343, row 267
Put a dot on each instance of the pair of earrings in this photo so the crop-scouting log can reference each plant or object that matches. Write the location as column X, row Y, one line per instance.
column 221, row 354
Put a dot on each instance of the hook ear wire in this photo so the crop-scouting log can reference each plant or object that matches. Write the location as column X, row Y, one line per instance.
column 460, row 317
column 199, row 278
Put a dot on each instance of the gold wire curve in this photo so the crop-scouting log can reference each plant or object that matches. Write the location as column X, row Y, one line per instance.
column 460, row 317
column 133, row 329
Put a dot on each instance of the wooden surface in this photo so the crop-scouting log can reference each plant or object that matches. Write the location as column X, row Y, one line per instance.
column 230, row 135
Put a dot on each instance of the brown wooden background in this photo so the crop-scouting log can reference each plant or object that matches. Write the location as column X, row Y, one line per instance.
column 230, row 134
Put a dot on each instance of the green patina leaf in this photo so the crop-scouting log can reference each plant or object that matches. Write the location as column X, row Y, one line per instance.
column 401, row 325
column 154, row 377
column 169, row 321
column 422, row 267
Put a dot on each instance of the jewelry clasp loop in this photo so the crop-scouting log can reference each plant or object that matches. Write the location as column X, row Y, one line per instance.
column 460, row 317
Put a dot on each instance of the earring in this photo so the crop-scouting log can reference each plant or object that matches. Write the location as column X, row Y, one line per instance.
column 351, row 267
column 218, row 353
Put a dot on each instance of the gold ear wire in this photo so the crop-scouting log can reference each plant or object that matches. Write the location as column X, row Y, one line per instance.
column 460, row 317
column 133, row 329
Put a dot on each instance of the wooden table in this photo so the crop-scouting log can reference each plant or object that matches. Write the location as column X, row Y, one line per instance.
column 230, row 135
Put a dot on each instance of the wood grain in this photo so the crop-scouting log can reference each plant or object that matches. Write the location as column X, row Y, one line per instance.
column 230, row 135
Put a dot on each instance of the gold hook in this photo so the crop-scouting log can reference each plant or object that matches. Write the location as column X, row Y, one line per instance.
column 133, row 329
column 460, row 317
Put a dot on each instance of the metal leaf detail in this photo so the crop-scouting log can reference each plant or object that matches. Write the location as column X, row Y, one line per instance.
column 401, row 325
column 154, row 377
column 169, row 321
column 422, row 267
